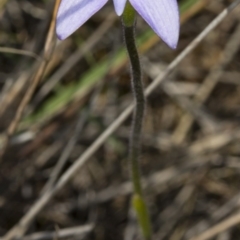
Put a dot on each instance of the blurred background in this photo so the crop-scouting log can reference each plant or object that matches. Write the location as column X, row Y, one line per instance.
column 191, row 139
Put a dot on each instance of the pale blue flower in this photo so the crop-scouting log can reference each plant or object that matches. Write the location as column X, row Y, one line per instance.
column 161, row 15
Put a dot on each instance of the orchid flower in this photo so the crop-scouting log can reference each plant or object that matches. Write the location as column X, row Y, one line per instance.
column 161, row 15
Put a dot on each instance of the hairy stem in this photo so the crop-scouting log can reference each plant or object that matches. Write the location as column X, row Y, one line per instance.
column 139, row 205
column 137, row 88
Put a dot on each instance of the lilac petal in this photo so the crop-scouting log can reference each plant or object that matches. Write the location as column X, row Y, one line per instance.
column 119, row 6
column 162, row 16
column 72, row 14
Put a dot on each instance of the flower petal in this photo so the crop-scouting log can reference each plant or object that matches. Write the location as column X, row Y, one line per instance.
column 74, row 13
column 119, row 6
column 162, row 16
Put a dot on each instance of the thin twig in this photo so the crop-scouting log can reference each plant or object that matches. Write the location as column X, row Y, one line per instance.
column 219, row 228
column 61, row 233
column 48, row 50
column 208, row 85
column 20, row 52
column 66, row 152
column 75, row 58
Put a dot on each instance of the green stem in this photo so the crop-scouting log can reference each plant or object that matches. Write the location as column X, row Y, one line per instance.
column 128, row 20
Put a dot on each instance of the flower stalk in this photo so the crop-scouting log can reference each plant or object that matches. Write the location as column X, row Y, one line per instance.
column 128, row 21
